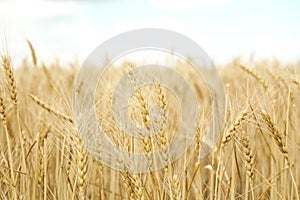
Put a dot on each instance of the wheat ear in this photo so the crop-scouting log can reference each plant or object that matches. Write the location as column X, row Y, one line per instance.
column 33, row 55
column 50, row 109
column 175, row 188
column 278, row 137
column 4, row 122
column 162, row 139
column 234, row 127
column 11, row 79
column 295, row 81
column 147, row 141
column 248, row 155
column 134, row 186
column 81, row 160
column 255, row 75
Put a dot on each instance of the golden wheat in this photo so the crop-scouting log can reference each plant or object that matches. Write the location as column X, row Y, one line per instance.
column 43, row 157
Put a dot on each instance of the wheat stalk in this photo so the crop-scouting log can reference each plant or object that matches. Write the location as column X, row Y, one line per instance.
column 229, row 134
column 249, row 159
column 138, row 187
column 4, row 122
column 255, row 75
column 162, row 138
column 81, row 161
column 278, row 137
column 248, row 155
column 33, row 54
column 2, row 110
column 295, row 81
column 129, row 185
column 175, row 187
column 50, row 109
column 11, row 79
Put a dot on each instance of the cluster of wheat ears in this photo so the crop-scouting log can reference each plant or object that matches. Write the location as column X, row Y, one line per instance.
column 256, row 156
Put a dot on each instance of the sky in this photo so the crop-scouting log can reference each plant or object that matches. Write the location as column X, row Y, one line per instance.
column 225, row 29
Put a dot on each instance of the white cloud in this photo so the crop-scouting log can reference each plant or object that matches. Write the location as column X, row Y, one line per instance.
column 186, row 4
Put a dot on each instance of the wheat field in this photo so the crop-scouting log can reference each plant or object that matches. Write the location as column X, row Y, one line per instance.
column 256, row 156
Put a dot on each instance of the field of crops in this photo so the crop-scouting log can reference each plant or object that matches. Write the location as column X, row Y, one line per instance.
column 256, row 156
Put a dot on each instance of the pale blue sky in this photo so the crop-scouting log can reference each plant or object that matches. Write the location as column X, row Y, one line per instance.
column 223, row 28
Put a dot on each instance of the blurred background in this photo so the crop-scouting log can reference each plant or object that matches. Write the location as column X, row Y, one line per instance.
column 69, row 30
